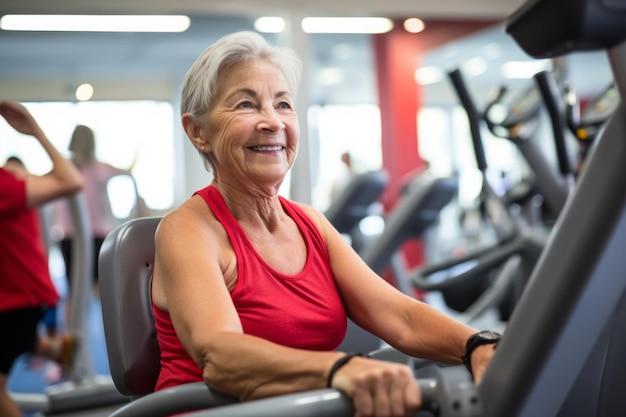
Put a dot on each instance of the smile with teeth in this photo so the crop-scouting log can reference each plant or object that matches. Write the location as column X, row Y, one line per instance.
column 266, row 148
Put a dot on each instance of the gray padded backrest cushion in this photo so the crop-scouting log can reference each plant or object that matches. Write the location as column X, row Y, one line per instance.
column 125, row 268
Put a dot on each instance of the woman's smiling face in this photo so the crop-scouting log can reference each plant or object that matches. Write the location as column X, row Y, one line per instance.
column 252, row 131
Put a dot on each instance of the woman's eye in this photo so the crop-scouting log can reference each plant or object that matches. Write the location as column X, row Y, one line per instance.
column 245, row 105
column 284, row 105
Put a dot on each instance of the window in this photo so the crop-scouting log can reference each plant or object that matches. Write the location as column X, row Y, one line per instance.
column 129, row 134
column 354, row 129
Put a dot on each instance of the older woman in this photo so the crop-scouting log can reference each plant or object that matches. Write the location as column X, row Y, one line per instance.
column 251, row 291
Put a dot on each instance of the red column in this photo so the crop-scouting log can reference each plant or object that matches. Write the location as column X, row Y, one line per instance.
column 397, row 55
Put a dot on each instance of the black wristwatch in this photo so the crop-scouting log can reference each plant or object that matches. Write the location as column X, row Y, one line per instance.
column 484, row 337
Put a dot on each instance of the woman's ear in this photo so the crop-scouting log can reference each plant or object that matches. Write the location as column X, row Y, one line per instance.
column 193, row 129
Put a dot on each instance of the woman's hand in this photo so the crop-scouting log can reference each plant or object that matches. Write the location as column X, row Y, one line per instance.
column 379, row 388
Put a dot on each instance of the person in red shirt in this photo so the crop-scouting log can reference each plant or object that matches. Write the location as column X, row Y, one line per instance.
column 26, row 288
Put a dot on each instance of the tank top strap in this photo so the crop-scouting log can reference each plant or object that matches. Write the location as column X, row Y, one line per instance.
column 218, row 206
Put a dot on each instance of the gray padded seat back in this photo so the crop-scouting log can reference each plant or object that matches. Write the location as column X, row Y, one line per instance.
column 125, row 267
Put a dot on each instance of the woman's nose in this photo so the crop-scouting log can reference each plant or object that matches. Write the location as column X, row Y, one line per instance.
column 270, row 120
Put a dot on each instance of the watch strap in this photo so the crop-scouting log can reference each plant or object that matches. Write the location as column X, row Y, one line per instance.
column 483, row 337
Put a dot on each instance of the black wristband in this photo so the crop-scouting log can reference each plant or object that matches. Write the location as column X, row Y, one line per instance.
column 481, row 338
column 340, row 362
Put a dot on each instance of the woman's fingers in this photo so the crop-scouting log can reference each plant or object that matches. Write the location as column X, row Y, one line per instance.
column 379, row 389
column 383, row 391
column 363, row 400
column 412, row 397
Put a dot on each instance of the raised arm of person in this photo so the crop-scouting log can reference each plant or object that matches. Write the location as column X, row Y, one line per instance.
column 63, row 179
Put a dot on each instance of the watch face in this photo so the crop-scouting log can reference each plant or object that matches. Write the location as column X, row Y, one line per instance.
column 489, row 335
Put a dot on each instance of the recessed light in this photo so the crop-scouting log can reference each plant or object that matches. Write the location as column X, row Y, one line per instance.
column 95, row 23
column 346, row 24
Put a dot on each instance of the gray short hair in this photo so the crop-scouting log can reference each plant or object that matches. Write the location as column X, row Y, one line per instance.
column 200, row 84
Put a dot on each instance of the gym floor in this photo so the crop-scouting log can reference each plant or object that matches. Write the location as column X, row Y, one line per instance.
column 31, row 374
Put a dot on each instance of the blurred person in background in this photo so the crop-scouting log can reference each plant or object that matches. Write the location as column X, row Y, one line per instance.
column 96, row 176
column 344, row 175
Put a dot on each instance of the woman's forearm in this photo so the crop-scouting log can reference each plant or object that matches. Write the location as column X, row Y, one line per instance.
column 249, row 367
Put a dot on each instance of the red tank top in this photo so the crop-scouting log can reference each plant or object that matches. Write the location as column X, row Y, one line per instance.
column 302, row 311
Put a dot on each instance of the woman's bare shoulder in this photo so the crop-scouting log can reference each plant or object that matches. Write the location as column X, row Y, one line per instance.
column 192, row 216
column 317, row 217
column 308, row 209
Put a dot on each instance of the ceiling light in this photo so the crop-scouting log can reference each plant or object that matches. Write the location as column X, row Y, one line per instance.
column 84, row 92
column 346, row 24
column 269, row 24
column 414, row 25
column 95, row 23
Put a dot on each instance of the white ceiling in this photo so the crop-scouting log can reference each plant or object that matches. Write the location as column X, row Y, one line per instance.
column 50, row 65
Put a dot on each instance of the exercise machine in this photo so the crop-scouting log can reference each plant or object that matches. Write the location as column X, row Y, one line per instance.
column 494, row 275
column 83, row 388
column 355, row 203
column 521, row 127
column 561, row 353
column 423, row 199
column 418, row 209
column 586, row 125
